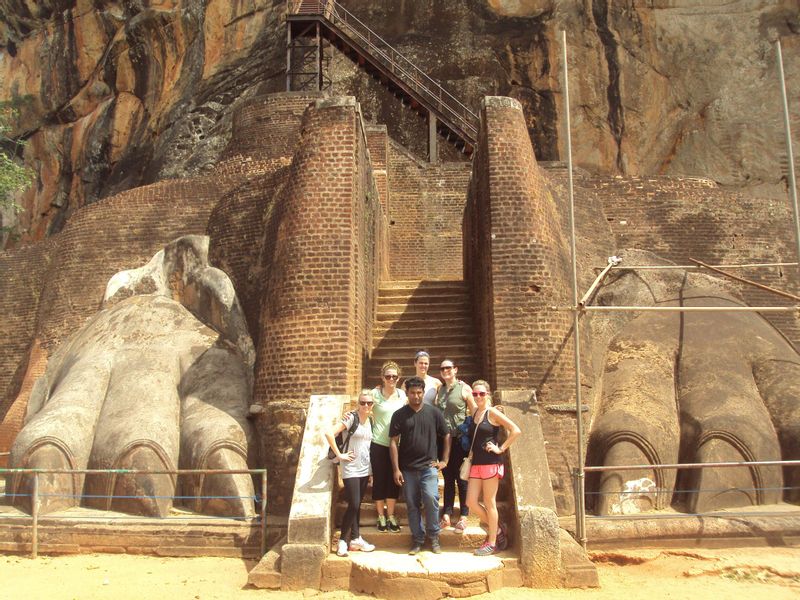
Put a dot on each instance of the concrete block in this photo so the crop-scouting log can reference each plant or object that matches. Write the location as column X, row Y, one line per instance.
column 301, row 566
column 310, row 515
column 540, row 549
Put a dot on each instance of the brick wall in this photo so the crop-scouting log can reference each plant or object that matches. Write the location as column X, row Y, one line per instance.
column 680, row 218
column 22, row 273
column 267, row 127
column 378, row 145
column 517, row 263
column 426, row 208
column 322, row 253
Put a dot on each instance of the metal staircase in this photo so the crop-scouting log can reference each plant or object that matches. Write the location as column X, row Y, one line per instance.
column 309, row 22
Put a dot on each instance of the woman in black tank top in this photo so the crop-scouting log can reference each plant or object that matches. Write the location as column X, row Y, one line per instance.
column 487, row 464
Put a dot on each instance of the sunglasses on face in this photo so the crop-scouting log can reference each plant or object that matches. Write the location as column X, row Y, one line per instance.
column 447, row 368
column 481, row 394
column 366, row 403
column 390, row 377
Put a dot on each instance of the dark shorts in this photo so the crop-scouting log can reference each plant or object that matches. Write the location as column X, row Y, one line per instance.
column 383, row 485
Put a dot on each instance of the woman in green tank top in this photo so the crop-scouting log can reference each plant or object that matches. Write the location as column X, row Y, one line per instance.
column 388, row 398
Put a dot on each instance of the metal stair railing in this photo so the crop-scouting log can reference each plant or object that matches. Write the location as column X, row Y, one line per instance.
column 429, row 91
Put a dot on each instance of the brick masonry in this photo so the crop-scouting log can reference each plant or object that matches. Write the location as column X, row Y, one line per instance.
column 425, row 210
column 517, row 265
column 682, row 218
column 322, row 251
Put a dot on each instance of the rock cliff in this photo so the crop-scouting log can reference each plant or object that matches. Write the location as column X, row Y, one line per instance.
column 116, row 94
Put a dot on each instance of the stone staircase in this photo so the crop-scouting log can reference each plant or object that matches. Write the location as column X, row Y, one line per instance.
column 432, row 315
column 389, row 572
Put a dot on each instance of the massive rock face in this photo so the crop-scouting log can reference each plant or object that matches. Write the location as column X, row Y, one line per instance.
column 118, row 94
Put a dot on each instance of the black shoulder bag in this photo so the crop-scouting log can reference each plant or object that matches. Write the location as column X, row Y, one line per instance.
column 343, row 442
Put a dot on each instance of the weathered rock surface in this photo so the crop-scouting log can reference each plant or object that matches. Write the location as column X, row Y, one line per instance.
column 146, row 385
column 118, row 94
column 689, row 387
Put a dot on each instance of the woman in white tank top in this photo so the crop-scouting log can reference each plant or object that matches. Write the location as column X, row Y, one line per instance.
column 422, row 362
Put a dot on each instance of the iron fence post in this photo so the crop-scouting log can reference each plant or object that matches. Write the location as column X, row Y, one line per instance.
column 263, row 512
column 35, row 515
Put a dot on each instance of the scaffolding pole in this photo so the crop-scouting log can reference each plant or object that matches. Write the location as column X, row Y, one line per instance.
column 580, row 509
column 760, row 286
column 789, row 152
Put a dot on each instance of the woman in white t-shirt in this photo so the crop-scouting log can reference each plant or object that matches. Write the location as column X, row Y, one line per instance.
column 356, row 471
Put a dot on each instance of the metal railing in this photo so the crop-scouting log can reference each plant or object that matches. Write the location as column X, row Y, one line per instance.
column 457, row 114
column 36, row 497
column 656, row 491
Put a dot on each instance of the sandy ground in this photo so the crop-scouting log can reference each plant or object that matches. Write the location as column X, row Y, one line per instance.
column 752, row 573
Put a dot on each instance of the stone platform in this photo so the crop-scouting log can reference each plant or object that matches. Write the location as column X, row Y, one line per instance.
column 82, row 530
column 426, row 576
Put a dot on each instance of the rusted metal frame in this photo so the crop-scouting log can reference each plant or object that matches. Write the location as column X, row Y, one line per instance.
column 37, row 472
column 676, row 515
column 342, row 14
column 410, row 83
column 592, row 308
column 400, row 83
column 300, row 79
column 138, row 471
column 755, row 463
column 760, row 286
column 725, row 514
column 684, row 267
column 467, row 131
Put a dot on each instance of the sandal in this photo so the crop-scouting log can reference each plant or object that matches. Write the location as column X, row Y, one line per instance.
column 445, row 522
column 460, row 525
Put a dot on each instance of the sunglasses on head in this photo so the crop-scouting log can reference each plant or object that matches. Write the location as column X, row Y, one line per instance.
column 366, row 402
column 481, row 394
column 389, row 377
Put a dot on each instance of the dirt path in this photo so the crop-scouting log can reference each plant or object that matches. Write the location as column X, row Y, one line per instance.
column 752, row 573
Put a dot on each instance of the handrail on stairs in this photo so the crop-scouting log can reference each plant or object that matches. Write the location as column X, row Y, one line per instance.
column 397, row 63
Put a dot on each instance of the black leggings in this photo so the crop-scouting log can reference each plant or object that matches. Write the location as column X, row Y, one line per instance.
column 453, row 481
column 355, row 487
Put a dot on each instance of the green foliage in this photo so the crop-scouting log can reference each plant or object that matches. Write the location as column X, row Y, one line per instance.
column 13, row 176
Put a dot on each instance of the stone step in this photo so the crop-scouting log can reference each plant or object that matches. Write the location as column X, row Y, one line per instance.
column 430, row 327
column 426, row 335
column 368, row 516
column 471, row 539
column 452, row 573
column 433, row 296
column 419, row 311
column 461, row 354
column 423, row 284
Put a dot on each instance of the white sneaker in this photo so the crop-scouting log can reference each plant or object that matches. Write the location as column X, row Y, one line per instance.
column 361, row 544
column 341, row 550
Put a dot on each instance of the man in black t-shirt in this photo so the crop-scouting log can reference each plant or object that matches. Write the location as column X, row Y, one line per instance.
column 413, row 433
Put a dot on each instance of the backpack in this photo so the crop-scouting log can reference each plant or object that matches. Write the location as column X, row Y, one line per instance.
column 343, row 442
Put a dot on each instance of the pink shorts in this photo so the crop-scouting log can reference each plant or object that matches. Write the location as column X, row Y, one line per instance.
column 486, row 471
